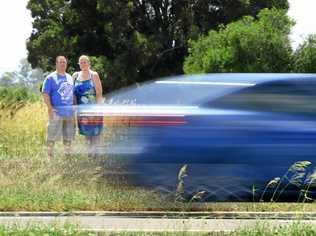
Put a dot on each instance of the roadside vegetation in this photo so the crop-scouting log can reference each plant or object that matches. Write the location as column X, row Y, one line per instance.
column 239, row 37
column 40, row 230
column 30, row 181
column 261, row 229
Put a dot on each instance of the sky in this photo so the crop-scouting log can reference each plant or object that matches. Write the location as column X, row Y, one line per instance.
column 304, row 14
column 16, row 27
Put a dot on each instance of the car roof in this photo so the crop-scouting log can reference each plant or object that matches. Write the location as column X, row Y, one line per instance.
column 195, row 89
column 254, row 78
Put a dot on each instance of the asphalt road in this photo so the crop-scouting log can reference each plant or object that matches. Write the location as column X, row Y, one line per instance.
column 145, row 222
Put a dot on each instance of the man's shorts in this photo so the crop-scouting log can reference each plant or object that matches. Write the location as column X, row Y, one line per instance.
column 60, row 126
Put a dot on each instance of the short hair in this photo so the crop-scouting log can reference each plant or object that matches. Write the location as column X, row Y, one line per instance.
column 60, row 56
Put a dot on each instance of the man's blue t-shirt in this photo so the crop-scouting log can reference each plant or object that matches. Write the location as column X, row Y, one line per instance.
column 60, row 90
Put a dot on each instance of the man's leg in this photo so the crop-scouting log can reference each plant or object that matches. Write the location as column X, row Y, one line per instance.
column 50, row 148
column 67, row 147
column 53, row 133
column 68, row 134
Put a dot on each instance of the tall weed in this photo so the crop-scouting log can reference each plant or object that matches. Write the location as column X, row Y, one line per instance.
column 23, row 134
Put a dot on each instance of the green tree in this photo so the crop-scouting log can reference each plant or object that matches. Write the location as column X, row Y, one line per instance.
column 25, row 76
column 6, row 80
column 247, row 45
column 130, row 40
column 305, row 56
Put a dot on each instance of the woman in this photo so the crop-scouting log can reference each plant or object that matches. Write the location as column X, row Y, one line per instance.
column 88, row 90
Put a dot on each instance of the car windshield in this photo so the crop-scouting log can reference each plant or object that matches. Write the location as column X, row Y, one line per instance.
column 174, row 92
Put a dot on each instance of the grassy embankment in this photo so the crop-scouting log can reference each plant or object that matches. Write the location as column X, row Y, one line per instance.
column 29, row 180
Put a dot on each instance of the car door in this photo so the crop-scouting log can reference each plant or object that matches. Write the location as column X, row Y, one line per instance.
column 278, row 131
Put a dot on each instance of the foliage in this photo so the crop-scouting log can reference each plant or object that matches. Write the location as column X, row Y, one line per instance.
column 131, row 40
column 22, row 128
column 305, row 56
column 17, row 94
column 299, row 176
column 247, row 45
column 180, row 193
column 14, row 98
column 24, row 77
column 265, row 229
column 30, row 181
column 33, row 229
column 258, row 229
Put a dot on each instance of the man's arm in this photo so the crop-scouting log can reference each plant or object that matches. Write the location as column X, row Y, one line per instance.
column 46, row 89
column 50, row 109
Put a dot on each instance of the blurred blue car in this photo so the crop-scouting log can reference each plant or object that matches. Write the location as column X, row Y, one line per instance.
column 235, row 133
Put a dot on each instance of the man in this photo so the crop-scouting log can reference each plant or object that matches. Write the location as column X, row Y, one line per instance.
column 57, row 93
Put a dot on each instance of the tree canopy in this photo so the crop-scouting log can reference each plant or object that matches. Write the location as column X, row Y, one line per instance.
column 129, row 40
column 247, row 45
column 305, row 56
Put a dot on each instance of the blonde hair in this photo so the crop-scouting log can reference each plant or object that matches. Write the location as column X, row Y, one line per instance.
column 84, row 57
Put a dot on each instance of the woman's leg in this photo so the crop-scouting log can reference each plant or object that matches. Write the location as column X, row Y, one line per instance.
column 94, row 145
column 89, row 145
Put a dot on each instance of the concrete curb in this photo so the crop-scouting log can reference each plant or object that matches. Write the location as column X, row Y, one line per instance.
column 172, row 214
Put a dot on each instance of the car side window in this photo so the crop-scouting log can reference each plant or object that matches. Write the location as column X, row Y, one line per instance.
column 293, row 97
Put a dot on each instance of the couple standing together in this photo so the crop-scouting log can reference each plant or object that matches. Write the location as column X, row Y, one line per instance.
column 60, row 92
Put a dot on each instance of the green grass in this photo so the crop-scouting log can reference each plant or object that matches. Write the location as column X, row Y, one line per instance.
column 30, row 181
column 295, row 229
column 66, row 184
column 41, row 230
column 16, row 94
column 22, row 131
column 252, row 207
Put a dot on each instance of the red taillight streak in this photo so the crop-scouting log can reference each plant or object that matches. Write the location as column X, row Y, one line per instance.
column 135, row 121
column 90, row 120
column 156, row 122
column 90, row 123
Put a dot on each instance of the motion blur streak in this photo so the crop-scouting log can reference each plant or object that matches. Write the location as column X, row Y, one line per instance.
column 204, row 83
column 235, row 133
column 142, row 110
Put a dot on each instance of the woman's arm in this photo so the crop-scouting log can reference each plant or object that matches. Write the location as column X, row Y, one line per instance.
column 98, row 87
